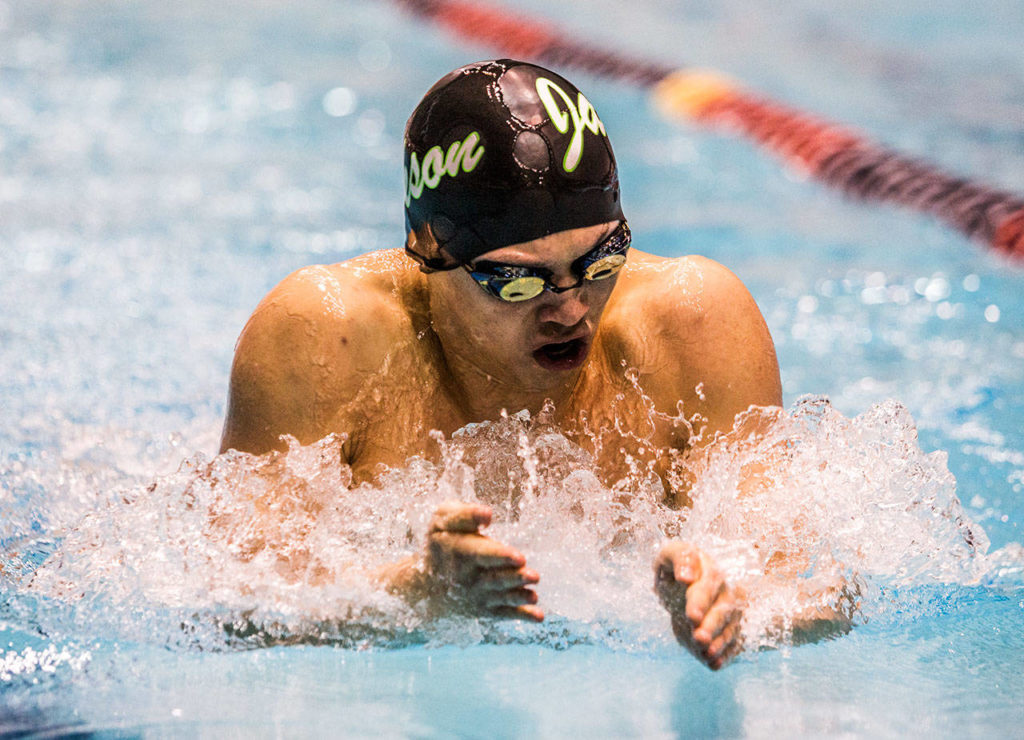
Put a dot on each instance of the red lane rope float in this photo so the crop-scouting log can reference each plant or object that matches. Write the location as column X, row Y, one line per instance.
column 820, row 149
column 840, row 158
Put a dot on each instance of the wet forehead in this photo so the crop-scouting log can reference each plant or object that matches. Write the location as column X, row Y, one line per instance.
column 563, row 247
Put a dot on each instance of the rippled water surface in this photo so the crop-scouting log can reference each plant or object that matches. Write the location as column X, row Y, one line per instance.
column 163, row 165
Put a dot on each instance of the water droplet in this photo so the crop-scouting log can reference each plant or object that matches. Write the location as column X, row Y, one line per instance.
column 369, row 128
column 937, row 289
column 807, row 304
column 280, row 97
column 872, row 296
column 875, row 280
column 340, row 101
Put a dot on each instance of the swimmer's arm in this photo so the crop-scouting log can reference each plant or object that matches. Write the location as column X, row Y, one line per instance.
column 828, row 603
column 712, row 358
column 730, row 357
column 731, row 354
column 707, row 608
column 827, row 608
column 706, row 611
column 715, row 605
column 296, row 364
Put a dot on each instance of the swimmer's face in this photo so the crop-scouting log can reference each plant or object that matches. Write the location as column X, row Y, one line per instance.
column 532, row 343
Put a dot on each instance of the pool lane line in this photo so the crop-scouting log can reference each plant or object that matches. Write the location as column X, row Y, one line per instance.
column 820, row 149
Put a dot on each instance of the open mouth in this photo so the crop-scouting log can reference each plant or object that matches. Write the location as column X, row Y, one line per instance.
column 561, row 355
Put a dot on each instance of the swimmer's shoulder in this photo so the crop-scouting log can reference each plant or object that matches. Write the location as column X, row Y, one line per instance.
column 364, row 299
column 690, row 320
column 313, row 341
column 672, row 295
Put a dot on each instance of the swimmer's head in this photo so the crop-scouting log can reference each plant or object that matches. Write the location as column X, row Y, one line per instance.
column 503, row 152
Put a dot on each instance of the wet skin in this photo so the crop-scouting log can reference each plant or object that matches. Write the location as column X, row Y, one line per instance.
column 705, row 611
column 378, row 350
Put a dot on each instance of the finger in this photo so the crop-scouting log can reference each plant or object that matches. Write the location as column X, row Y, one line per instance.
column 722, row 613
column 502, row 579
column 732, row 649
column 474, row 550
column 526, row 612
column 702, row 594
column 679, row 561
column 725, row 643
column 455, row 516
column 665, row 555
column 512, row 597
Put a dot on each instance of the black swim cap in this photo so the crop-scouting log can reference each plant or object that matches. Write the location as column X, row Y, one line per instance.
column 503, row 152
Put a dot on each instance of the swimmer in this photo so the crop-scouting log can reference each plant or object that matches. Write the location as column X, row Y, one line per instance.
column 518, row 289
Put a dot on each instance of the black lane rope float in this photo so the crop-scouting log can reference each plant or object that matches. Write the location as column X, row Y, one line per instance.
column 820, row 149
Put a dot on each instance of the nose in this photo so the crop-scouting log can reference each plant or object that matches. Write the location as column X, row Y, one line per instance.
column 567, row 308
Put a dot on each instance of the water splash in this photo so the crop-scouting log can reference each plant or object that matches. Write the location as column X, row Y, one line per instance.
column 246, row 550
column 24, row 664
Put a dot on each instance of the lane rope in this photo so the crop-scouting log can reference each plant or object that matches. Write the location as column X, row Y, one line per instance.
column 820, row 149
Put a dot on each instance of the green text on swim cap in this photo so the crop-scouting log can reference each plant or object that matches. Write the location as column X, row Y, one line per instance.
column 461, row 156
column 581, row 115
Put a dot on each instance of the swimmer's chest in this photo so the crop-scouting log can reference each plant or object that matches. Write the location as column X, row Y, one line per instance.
column 613, row 419
column 608, row 415
column 399, row 421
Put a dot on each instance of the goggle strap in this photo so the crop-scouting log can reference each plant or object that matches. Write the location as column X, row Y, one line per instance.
column 432, row 264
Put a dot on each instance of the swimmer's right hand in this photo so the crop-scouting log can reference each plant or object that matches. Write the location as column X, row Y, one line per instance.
column 462, row 570
column 475, row 571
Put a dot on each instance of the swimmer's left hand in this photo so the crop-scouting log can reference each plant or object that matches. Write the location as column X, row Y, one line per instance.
column 706, row 612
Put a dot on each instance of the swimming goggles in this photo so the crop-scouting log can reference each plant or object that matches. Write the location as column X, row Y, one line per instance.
column 513, row 283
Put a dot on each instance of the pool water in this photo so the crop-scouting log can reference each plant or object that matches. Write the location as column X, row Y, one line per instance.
column 163, row 165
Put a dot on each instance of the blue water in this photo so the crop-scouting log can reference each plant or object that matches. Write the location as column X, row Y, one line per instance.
column 163, row 165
